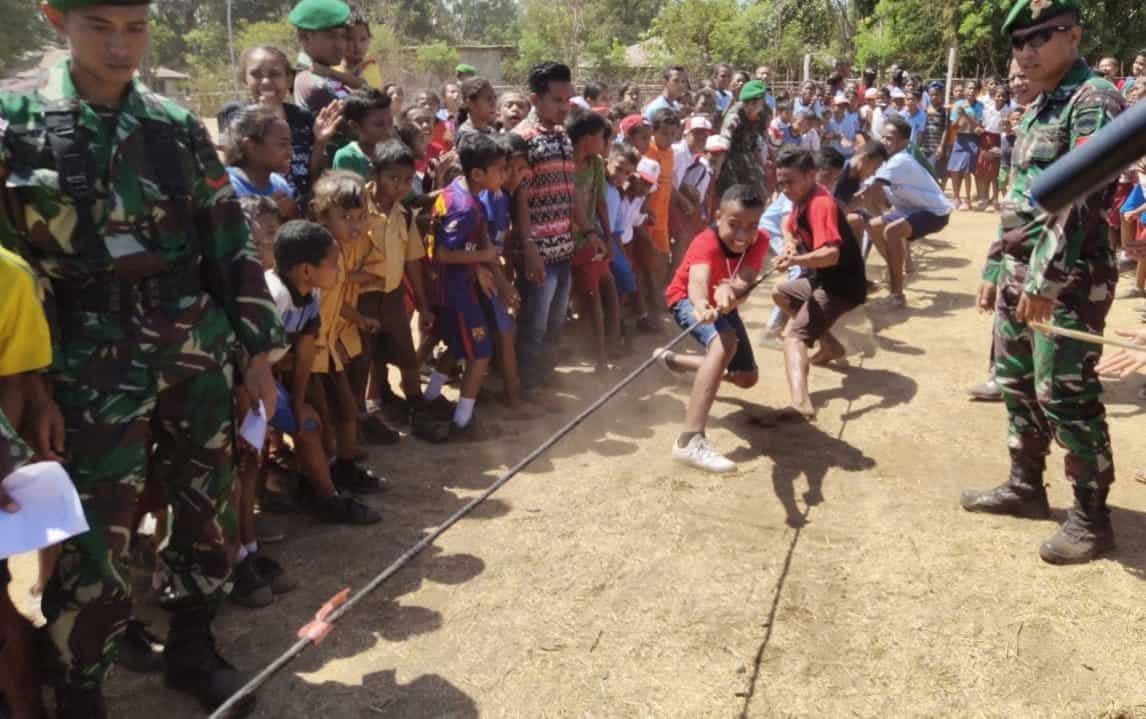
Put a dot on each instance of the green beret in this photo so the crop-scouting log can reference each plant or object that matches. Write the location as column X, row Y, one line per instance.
column 464, row 69
column 65, row 5
column 753, row 90
column 319, row 14
column 1028, row 13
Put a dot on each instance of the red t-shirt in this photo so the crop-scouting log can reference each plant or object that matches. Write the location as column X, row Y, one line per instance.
column 816, row 222
column 707, row 249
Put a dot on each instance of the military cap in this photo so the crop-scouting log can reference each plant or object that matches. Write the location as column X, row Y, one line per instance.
column 465, row 69
column 753, row 90
column 65, row 5
column 319, row 14
column 1028, row 13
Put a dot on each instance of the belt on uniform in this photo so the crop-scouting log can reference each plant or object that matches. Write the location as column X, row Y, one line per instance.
column 111, row 294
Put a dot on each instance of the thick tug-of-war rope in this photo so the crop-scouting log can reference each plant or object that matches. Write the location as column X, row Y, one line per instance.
column 339, row 605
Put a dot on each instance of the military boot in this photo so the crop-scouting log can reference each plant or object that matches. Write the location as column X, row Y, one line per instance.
column 193, row 665
column 1022, row 495
column 1086, row 533
column 77, row 703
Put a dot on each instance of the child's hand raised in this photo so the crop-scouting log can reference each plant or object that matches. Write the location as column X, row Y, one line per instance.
column 328, row 121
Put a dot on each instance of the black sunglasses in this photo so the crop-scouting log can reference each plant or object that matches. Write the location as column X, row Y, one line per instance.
column 1038, row 38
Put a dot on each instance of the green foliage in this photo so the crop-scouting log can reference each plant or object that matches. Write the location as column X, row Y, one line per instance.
column 23, row 29
column 437, row 59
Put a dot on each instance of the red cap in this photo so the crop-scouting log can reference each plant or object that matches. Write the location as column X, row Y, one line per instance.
column 631, row 123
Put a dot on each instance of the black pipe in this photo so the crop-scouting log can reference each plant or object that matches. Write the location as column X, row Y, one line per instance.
column 1088, row 168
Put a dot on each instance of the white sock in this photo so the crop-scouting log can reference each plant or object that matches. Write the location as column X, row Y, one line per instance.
column 464, row 412
column 252, row 548
column 434, row 388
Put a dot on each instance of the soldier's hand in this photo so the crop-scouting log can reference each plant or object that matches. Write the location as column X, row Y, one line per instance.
column 47, row 431
column 987, row 292
column 1124, row 363
column 259, row 381
column 1034, row 308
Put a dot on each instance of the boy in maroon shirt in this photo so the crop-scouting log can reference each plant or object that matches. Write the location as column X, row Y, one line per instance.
column 713, row 279
column 835, row 284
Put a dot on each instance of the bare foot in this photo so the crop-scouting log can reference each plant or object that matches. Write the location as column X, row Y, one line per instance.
column 830, row 351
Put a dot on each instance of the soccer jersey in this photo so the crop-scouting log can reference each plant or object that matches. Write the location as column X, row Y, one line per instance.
column 352, row 158
column 459, row 224
column 245, row 188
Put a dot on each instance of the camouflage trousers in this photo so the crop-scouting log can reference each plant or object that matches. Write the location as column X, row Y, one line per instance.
column 185, row 431
column 1049, row 384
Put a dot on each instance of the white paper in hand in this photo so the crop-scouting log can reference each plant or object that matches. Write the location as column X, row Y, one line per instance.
column 50, row 509
column 254, row 427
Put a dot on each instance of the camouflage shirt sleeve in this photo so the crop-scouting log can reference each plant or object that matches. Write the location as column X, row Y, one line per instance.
column 1059, row 245
column 231, row 261
column 993, row 269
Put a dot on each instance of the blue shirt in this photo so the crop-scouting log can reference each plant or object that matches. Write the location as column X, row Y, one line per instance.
column 918, row 121
column 772, row 221
column 975, row 107
column 244, row 188
column 723, row 99
column 798, row 107
column 659, row 104
column 910, row 187
column 613, row 203
column 459, row 216
column 847, row 127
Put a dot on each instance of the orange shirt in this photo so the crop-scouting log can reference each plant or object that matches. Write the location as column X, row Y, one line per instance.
column 658, row 202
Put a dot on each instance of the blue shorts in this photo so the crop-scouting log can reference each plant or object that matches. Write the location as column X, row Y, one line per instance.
column 284, row 419
column 744, row 362
column 922, row 223
column 964, row 153
column 464, row 331
column 623, row 275
column 496, row 313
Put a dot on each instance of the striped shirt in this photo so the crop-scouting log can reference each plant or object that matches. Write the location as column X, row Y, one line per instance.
column 550, row 192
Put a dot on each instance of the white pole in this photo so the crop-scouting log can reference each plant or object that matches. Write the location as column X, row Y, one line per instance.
column 950, row 74
column 231, row 51
column 807, row 67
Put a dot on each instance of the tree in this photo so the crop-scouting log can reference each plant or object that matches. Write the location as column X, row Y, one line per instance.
column 23, row 30
column 437, row 59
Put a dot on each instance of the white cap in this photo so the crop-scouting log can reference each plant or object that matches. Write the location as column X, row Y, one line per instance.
column 649, row 170
column 717, row 143
column 897, row 94
column 697, row 122
column 580, row 102
column 870, row 94
column 841, row 99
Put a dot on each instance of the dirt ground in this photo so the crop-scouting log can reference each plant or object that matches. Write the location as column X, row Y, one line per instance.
column 835, row 575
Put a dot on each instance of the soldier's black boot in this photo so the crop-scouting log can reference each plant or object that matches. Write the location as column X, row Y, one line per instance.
column 193, row 665
column 1086, row 533
column 1022, row 495
column 75, row 703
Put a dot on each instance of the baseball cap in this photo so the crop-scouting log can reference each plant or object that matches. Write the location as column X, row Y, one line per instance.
column 897, row 94
column 631, row 123
column 841, row 99
column 697, row 122
column 717, row 143
column 649, row 170
column 870, row 94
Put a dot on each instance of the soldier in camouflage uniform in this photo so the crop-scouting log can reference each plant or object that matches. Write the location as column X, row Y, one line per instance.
column 117, row 199
column 1059, row 270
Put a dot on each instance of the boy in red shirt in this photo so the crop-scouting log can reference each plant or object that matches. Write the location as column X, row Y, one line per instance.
column 834, row 284
column 714, row 277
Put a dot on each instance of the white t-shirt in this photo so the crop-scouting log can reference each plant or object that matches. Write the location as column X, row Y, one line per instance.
column 681, row 159
column 631, row 217
column 910, row 187
column 993, row 118
column 810, row 140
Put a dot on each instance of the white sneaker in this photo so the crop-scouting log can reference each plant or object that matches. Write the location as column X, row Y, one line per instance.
column 700, row 453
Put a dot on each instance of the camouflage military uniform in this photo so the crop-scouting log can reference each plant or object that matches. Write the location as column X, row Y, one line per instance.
column 153, row 284
column 1049, row 383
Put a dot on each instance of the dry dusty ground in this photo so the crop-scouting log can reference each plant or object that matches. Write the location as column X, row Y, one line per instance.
column 834, row 576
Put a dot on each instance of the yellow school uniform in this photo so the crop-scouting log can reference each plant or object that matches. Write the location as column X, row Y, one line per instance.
column 25, row 341
column 338, row 339
column 395, row 241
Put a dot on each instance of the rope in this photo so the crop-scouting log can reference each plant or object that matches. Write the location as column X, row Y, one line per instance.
column 335, row 609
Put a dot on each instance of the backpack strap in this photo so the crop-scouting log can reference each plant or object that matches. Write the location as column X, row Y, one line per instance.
column 75, row 163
